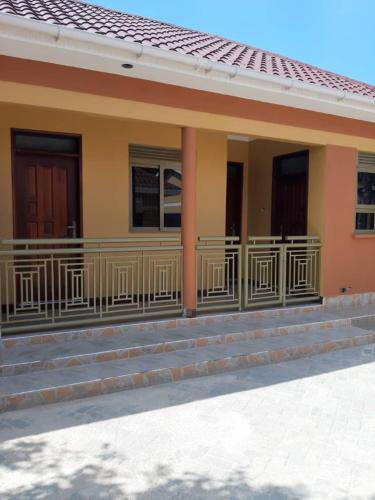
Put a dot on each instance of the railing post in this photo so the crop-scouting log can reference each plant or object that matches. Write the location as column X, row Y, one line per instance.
column 189, row 219
column 283, row 271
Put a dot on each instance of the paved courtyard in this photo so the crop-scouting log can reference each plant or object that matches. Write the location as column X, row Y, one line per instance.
column 302, row 429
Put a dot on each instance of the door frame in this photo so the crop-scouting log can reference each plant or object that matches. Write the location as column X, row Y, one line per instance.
column 77, row 156
column 275, row 164
column 239, row 165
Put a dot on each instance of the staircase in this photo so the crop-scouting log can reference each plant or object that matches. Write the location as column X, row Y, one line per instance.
column 45, row 368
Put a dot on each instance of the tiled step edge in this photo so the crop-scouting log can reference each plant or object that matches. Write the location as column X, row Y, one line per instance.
column 120, row 329
column 10, row 369
column 172, row 374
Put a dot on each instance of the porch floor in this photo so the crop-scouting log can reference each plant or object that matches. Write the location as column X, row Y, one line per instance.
column 42, row 368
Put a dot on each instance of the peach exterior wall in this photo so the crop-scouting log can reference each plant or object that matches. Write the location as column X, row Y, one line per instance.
column 105, row 169
column 348, row 260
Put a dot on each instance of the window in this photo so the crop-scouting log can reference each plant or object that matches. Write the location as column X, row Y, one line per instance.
column 47, row 143
column 155, row 189
column 365, row 212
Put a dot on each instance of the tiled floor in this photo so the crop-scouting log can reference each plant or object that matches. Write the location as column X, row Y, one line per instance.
column 303, row 429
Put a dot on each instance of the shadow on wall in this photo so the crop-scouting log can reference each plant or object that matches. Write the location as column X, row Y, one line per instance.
column 98, row 480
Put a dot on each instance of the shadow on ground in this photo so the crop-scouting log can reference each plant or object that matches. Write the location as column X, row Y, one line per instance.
column 97, row 480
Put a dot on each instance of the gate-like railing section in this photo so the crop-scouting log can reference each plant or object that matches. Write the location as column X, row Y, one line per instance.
column 279, row 273
column 263, row 272
column 219, row 272
column 65, row 282
column 71, row 282
column 302, row 269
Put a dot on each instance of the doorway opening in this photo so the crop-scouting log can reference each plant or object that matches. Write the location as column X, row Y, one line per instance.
column 290, row 194
column 234, row 199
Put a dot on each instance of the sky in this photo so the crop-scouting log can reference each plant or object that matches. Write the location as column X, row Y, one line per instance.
column 338, row 35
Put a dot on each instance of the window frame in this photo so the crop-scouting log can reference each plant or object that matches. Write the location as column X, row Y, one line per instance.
column 161, row 165
column 362, row 208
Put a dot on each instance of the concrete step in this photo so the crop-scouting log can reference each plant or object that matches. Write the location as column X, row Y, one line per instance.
column 30, row 357
column 34, row 352
column 266, row 318
column 61, row 384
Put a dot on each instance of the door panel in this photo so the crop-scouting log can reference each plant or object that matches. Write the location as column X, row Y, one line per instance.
column 46, row 196
column 234, row 199
column 290, row 195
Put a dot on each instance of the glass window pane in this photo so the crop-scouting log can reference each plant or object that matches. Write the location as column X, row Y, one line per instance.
column 294, row 165
column 366, row 188
column 46, row 143
column 146, row 197
column 365, row 221
column 172, row 198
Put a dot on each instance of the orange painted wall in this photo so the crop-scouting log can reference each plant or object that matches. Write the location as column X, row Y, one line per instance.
column 347, row 261
column 134, row 89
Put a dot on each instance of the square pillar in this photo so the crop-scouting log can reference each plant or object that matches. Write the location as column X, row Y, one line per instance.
column 189, row 219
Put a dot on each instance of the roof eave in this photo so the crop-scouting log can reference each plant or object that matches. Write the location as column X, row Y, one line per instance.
column 37, row 40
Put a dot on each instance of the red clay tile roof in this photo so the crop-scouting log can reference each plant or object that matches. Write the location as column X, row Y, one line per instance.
column 111, row 23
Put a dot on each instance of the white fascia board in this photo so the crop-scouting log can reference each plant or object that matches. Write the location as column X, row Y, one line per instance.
column 40, row 41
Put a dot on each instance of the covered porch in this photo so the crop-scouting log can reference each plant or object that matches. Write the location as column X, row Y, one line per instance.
column 113, row 220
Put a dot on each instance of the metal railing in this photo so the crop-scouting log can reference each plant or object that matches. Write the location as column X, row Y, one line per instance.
column 263, row 272
column 219, row 273
column 71, row 282
column 278, row 273
column 302, row 269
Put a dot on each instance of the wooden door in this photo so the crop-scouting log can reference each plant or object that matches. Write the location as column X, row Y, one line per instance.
column 46, row 196
column 290, row 195
column 234, row 199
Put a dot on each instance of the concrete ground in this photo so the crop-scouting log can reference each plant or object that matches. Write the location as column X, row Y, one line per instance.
column 303, row 429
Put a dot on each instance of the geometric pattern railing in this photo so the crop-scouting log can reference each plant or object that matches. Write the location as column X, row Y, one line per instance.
column 279, row 273
column 302, row 269
column 263, row 273
column 98, row 281
column 75, row 282
column 219, row 271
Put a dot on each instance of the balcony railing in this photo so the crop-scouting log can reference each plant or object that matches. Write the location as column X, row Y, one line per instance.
column 219, row 273
column 278, row 273
column 71, row 282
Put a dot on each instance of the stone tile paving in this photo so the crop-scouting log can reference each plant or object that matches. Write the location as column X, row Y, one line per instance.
column 135, row 337
column 301, row 429
column 189, row 357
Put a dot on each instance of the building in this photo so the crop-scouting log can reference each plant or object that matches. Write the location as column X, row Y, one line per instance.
column 116, row 131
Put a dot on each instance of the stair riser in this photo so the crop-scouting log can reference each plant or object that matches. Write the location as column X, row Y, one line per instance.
column 111, row 331
column 165, row 375
column 69, row 361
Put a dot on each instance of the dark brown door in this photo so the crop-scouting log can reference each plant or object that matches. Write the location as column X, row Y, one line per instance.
column 46, row 196
column 289, row 194
column 234, row 199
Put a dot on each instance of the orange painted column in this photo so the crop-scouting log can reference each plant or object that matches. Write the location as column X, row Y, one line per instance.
column 189, row 218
